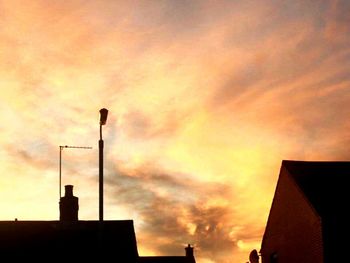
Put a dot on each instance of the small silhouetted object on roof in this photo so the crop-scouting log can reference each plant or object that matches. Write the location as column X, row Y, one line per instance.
column 253, row 256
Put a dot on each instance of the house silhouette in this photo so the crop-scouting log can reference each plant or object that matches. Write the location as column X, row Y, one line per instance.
column 308, row 219
column 72, row 240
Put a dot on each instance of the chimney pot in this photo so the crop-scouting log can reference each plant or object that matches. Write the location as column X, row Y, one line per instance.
column 69, row 205
column 189, row 252
column 68, row 190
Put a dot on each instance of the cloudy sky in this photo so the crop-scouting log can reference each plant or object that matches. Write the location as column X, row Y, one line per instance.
column 205, row 100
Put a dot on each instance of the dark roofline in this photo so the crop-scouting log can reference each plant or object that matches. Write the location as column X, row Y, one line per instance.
column 129, row 221
column 291, row 165
column 297, row 169
column 81, row 240
column 312, row 161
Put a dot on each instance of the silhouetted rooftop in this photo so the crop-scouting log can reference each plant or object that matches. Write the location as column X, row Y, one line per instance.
column 324, row 187
column 325, row 184
column 75, row 240
column 71, row 239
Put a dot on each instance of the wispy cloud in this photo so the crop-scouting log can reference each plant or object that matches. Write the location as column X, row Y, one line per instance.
column 175, row 210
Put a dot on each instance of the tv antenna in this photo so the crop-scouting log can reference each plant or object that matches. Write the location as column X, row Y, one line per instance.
column 60, row 169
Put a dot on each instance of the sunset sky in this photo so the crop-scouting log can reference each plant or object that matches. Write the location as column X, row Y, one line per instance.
column 205, row 100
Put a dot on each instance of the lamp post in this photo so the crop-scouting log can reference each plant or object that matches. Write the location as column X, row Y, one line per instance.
column 103, row 119
column 60, row 168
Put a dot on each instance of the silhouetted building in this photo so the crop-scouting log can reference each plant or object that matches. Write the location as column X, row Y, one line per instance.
column 308, row 220
column 70, row 239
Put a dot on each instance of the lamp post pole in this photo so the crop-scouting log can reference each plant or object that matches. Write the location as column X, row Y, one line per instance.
column 100, row 176
column 103, row 119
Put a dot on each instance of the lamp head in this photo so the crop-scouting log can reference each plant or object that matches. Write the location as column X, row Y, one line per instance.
column 103, row 116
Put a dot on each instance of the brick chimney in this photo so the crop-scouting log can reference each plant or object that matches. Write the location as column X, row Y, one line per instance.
column 189, row 254
column 69, row 205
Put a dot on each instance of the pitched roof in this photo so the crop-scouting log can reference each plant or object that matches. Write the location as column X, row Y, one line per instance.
column 324, row 183
column 77, row 240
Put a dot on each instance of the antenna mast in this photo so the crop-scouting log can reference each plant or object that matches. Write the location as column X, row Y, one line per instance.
column 60, row 164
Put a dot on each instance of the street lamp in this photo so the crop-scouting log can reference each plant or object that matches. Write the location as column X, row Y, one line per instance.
column 103, row 119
